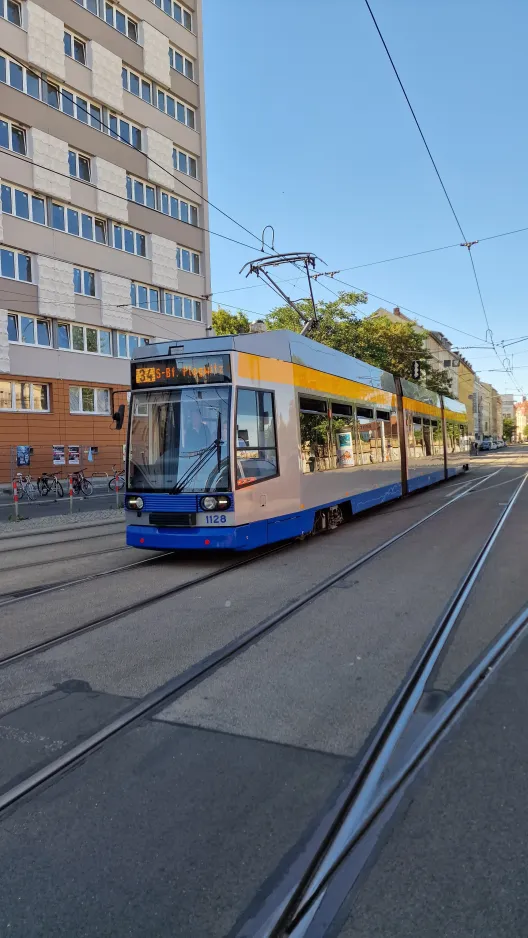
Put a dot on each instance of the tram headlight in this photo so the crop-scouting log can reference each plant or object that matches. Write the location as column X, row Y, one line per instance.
column 223, row 502
column 134, row 502
column 209, row 503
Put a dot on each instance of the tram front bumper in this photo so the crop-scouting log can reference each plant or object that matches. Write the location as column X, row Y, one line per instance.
column 242, row 537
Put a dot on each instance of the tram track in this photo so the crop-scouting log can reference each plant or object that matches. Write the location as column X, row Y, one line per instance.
column 305, row 903
column 9, row 547
column 196, row 672
column 36, row 591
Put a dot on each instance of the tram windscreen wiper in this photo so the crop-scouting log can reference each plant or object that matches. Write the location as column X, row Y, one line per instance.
column 195, row 467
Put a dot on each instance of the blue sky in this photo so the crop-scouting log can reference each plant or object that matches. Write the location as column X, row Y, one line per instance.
column 308, row 131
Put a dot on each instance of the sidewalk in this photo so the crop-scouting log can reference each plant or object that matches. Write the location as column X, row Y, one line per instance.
column 48, row 524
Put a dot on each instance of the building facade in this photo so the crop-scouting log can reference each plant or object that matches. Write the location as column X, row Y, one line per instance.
column 521, row 421
column 103, row 224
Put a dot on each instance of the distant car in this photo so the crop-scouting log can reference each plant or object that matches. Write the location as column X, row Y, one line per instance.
column 485, row 445
column 493, row 444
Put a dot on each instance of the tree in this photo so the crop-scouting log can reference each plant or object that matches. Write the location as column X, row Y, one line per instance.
column 379, row 341
column 225, row 323
column 526, row 431
column 508, row 428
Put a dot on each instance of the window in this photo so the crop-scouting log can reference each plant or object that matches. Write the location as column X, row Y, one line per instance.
column 126, row 239
column 178, row 208
column 15, row 265
column 89, row 400
column 174, row 108
column 75, row 338
column 181, row 63
column 74, row 47
column 136, row 85
column 125, row 131
column 187, row 260
column 80, row 166
column 83, row 281
column 185, row 163
column 181, row 306
column 144, row 297
column 90, row 5
column 121, row 21
column 80, row 224
column 141, row 192
column 365, row 412
column 11, row 11
column 18, row 202
column 256, row 448
column 28, row 330
column 177, row 11
column 12, row 137
column 21, row 395
column 70, row 103
column 127, row 344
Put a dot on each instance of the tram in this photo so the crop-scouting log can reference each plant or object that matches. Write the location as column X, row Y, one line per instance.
column 239, row 441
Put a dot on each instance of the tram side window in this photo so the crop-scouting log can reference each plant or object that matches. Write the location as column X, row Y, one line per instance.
column 315, row 435
column 256, row 446
column 416, row 439
column 438, row 439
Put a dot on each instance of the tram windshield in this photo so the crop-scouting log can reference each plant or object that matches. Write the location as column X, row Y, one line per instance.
column 179, row 440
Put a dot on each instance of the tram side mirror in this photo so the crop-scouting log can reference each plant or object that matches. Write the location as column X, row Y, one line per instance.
column 119, row 417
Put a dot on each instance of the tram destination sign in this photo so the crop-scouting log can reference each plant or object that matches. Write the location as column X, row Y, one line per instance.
column 196, row 369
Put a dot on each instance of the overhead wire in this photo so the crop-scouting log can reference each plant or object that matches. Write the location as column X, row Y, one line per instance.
column 466, row 243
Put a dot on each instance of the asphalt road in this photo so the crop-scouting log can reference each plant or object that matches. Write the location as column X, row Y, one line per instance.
column 184, row 823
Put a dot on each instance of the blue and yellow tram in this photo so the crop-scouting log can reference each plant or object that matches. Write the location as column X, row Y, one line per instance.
column 239, row 441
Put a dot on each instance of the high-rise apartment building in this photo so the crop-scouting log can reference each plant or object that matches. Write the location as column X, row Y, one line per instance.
column 102, row 227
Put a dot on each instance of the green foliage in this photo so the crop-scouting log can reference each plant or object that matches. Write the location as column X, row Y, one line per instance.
column 526, row 431
column 508, row 428
column 390, row 345
column 225, row 323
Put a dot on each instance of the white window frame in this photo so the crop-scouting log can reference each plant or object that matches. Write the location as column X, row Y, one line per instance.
column 79, row 156
column 117, row 134
column 31, row 195
column 192, row 210
column 26, row 410
column 34, row 320
column 158, row 97
column 131, row 182
column 78, row 104
column 96, row 222
column 4, row 7
column 91, row 413
column 129, row 20
column 195, row 260
column 73, row 37
column 82, row 291
column 187, row 63
column 127, row 74
column 177, row 152
column 87, row 4
column 127, row 336
column 123, row 228
column 71, row 325
column 16, row 255
column 178, row 12
column 12, row 125
column 185, row 303
column 135, row 287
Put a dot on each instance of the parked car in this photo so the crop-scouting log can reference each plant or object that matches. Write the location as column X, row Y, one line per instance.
column 485, row 445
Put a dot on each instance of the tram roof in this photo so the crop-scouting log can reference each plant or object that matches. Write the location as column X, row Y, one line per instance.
column 287, row 346
column 280, row 344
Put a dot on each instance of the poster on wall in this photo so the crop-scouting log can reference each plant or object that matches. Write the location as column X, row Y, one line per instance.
column 58, row 456
column 23, row 455
column 74, row 455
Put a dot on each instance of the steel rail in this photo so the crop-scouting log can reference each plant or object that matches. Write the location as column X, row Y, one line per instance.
column 366, row 794
column 196, row 672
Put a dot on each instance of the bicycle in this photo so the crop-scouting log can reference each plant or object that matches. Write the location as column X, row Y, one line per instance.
column 47, row 484
column 25, row 486
column 118, row 480
column 81, row 484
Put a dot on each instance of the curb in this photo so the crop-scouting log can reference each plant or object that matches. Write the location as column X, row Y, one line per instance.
column 56, row 530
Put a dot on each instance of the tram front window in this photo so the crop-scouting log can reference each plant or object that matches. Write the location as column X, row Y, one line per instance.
column 179, row 441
